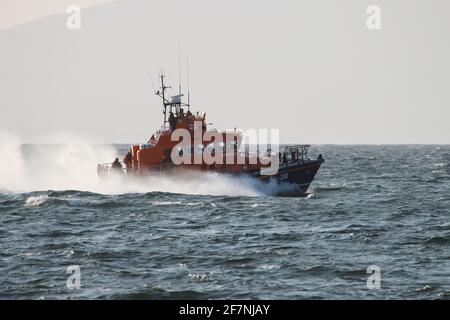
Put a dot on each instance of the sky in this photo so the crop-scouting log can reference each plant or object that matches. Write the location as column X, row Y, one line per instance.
column 311, row 68
column 17, row 12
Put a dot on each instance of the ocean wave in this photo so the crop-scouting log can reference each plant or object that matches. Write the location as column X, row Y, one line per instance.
column 257, row 205
column 436, row 178
column 177, row 203
column 9, row 203
column 61, row 233
column 269, row 267
column 166, row 203
column 100, row 204
column 71, row 193
column 426, row 288
column 200, row 277
column 438, row 240
column 158, row 294
column 231, row 244
column 363, row 158
column 36, row 201
column 317, row 270
column 238, row 261
column 443, row 226
column 47, row 199
column 330, row 187
column 193, row 204
column 352, row 274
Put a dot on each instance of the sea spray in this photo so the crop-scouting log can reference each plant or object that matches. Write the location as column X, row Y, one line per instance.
column 65, row 166
column 71, row 165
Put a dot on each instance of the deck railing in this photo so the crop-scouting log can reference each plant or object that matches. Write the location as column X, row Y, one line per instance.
column 293, row 153
column 106, row 169
column 289, row 154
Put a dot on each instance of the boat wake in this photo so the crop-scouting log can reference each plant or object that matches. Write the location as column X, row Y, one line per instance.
column 71, row 166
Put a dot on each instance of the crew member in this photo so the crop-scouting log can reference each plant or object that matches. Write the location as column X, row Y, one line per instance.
column 172, row 121
column 116, row 166
column 128, row 160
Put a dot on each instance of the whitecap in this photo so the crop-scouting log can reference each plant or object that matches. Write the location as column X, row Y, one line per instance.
column 199, row 277
column 194, row 203
column 269, row 267
column 36, row 201
column 440, row 165
column 256, row 205
column 166, row 203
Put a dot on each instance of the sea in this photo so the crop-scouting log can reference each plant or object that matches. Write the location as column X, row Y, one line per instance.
column 375, row 225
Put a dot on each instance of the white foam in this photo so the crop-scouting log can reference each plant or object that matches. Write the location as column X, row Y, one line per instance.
column 193, row 204
column 72, row 166
column 199, row 277
column 166, row 203
column 440, row 165
column 269, row 267
column 67, row 166
column 36, row 201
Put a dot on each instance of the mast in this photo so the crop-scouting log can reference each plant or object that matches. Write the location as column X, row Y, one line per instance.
column 179, row 70
column 175, row 101
column 162, row 94
column 163, row 97
column 189, row 93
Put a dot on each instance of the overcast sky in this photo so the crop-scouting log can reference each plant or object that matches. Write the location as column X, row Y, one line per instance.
column 310, row 68
column 16, row 12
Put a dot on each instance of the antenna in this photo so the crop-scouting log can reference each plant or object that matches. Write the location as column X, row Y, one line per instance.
column 189, row 93
column 163, row 88
column 179, row 70
column 153, row 84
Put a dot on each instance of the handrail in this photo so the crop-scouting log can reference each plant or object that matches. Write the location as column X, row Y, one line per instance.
column 104, row 169
column 288, row 154
column 293, row 153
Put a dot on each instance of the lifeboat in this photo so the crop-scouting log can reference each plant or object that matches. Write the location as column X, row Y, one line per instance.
column 184, row 142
